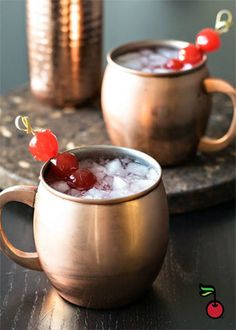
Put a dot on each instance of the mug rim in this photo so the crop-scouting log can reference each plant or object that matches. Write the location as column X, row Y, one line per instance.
column 131, row 46
column 100, row 201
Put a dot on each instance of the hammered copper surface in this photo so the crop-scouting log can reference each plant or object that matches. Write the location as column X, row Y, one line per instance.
column 165, row 114
column 65, row 48
column 99, row 253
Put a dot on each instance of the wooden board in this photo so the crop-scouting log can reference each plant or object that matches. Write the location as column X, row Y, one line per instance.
column 205, row 181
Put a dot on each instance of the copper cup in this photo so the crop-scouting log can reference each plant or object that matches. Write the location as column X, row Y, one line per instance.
column 162, row 114
column 96, row 253
column 65, row 50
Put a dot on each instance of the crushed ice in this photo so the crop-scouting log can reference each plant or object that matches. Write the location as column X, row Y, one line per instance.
column 116, row 178
column 149, row 60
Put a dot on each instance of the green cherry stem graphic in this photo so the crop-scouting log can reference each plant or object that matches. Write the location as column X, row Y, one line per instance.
column 214, row 308
column 206, row 290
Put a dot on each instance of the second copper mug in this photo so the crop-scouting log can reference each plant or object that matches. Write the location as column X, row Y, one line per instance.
column 163, row 114
column 96, row 253
column 65, row 50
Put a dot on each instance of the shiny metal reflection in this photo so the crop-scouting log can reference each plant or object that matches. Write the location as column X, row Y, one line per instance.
column 65, row 49
column 162, row 114
column 95, row 253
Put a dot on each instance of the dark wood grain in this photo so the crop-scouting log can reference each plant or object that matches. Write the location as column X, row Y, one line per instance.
column 201, row 249
column 206, row 180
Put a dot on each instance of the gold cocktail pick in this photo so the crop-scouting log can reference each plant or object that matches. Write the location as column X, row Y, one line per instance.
column 24, row 120
column 224, row 21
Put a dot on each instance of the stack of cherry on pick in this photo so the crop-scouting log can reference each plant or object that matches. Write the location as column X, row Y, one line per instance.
column 158, row 60
column 207, row 40
column 63, row 166
column 101, row 178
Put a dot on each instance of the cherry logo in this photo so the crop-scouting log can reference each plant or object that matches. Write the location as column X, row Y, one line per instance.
column 214, row 308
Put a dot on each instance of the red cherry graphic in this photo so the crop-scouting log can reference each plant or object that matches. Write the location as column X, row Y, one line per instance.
column 215, row 309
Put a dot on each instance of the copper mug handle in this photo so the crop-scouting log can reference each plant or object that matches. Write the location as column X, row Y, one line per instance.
column 207, row 144
column 26, row 195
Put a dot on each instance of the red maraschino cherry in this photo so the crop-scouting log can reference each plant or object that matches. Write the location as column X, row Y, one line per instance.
column 208, row 40
column 190, row 54
column 82, row 179
column 174, row 64
column 64, row 164
column 43, row 145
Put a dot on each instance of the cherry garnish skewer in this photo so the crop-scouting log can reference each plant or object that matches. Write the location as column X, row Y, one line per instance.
column 44, row 147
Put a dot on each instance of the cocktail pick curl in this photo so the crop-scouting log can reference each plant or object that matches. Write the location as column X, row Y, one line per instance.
column 24, row 120
column 223, row 25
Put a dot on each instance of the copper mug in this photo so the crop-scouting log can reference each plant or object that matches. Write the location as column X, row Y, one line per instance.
column 95, row 253
column 162, row 114
column 65, row 50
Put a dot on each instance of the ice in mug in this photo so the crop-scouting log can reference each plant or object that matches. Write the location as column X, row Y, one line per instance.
column 119, row 177
column 149, row 60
